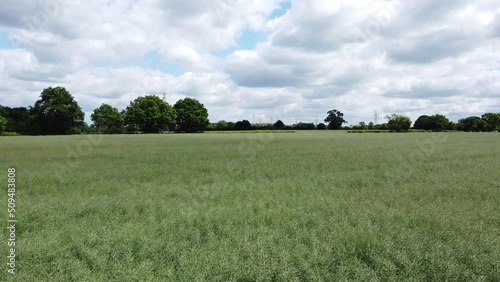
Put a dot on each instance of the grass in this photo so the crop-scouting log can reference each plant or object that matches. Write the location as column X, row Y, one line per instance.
column 370, row 131
column 249, row 131
column 309, row 206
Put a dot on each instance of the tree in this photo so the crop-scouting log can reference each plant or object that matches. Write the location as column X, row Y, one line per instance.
column 492, row 120
column 371, row 125
column 440, row 123
column 262, row 126
column 243, row 125
column 398, row 122
column 435, row 123
column 321, row 126
column 304, row 126
column 107, row 119
column 279, row 125
column 56, row 113
column 335, row 119
column 362, row 126
column 472, row 124
column 3, row 124
column 192, row 116
column 4, row 111
column 221, row 125
column 382, row 126
column 149, row 114
column 423, row 122
column 17, row 119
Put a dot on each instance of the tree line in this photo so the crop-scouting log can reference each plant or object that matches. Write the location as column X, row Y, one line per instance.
column 488, row 122
column 335, row 119
column 56, row 112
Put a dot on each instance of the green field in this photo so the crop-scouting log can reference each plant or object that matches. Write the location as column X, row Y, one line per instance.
column 305, row 206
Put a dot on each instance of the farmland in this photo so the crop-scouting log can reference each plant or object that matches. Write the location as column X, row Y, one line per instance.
column 305, row 206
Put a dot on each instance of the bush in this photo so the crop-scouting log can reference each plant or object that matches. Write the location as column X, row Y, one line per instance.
column 249, row 131
column 321, row 126
column 6, row 133
column 370, row 131
column 304, row 126
column 419, row 130
column 243, row 125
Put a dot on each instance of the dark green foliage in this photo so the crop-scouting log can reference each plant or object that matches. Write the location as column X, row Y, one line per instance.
column 335, row 119
column 243, row 125
column 262, row 127
column 3, row 124
column 382, row 126
column 192, row 116
column 56, row 113
column 279, row 125
column 107, row 119
column 7, row 133
column 435, row 123
column 413, row 130
column 398, row 123
column 304, row 126
column 321, row 126
column 423, row 122
column 149, row 114
column 492, row 120
column 221, row 125
column 17, row 119
column 472, row 124
column 361, row 126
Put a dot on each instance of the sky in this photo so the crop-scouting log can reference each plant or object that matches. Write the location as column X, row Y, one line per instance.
column 260, row 60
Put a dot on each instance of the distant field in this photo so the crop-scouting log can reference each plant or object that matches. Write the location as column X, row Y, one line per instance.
column 249, row 131
column 308, row 206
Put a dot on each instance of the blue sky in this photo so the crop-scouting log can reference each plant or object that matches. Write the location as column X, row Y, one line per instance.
column 5, row 42
column 246, row 41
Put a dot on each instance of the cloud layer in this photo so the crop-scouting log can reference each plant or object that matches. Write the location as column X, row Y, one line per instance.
column 408, row 57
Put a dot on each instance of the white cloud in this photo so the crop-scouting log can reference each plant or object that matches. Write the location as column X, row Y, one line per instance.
column 411, row 57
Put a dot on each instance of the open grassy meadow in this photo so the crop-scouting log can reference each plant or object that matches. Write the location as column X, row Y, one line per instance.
column 305, row 206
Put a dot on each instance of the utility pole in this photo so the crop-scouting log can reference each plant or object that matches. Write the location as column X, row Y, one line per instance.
column 376, row 116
